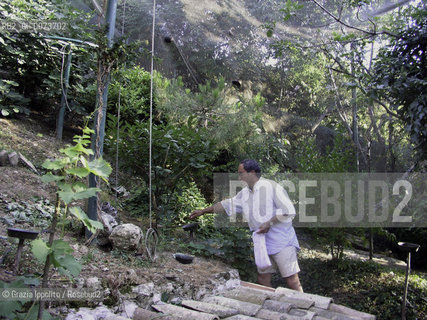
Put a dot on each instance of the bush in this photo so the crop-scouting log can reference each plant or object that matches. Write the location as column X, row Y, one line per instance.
column 30, row 62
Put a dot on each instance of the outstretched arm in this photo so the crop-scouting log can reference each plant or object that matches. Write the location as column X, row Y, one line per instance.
column 216, row 208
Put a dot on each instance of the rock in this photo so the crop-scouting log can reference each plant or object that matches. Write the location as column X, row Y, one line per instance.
column 169, row 288
column 93, row 283
column 83, row 250
column 145, row 289
column 109, row 221
column 157, row 298
column 126, row 237
column 200, row 294
column 129, row 308
column 171, row 277
column 4, row 159
column 28, row 163
column 131, row 275
column 8, row 221
column 80, row 282
column 101, row 312
column 176, row 300
column 13, row 159
column 109, row 209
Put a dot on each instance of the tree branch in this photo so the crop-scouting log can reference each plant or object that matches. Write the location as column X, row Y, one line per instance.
column 342, row 116
column 338, row 19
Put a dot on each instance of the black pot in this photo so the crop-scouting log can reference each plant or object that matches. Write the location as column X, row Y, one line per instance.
column 183, row 258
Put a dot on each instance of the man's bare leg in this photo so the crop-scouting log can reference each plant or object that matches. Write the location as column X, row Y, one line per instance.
column 293, row 282
column 264, row 279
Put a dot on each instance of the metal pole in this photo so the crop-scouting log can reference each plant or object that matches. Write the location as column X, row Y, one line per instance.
column 64, row 85
column 405, row 293
column 100, row 115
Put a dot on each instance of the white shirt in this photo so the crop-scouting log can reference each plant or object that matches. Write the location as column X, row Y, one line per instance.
column 266, row 200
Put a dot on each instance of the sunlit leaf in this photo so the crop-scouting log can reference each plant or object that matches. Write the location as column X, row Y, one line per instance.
column 91, row 225
column 80, row 172
column 100, row 168
column 40, row 250
column 49, row 177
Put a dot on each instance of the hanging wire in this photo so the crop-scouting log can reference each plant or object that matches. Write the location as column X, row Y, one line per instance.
column 151, row 237
column 118, row 110
column 117, row 141
column 65, row 47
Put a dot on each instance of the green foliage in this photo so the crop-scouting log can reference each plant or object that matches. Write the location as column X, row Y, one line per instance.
column 289, row 9
column 21, row 308
column 66, row 173
column 181, row 154
column 10, row 100
column 133, row 85
column 177, row 206
column 400, row 75
column 33, row 62
column 366, row 286
column 234, row 122
column 336, row 159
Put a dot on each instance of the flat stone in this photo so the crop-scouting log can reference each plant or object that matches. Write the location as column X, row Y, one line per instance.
column 4, row 159
column 13, row 159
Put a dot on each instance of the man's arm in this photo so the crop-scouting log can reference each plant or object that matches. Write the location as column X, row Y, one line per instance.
column 216, row 208
column 284, row 209
column 263, row 228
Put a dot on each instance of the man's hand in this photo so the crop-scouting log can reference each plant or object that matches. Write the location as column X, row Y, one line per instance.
column 196, row 213
column 264, row 228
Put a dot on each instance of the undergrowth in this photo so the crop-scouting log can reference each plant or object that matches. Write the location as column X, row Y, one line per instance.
column 366, row 286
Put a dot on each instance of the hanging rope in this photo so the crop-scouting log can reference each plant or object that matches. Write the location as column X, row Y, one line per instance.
column 151, row 237
column 66, row 49
column 118, row 109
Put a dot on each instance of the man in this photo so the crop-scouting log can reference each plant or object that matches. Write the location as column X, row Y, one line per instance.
column 269, row 211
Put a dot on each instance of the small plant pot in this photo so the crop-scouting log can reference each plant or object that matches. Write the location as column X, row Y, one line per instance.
column 183, row 258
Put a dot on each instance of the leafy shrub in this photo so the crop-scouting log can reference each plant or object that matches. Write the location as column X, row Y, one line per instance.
column 10, row 100
column 180, row 153
column 178, row 205
column 365, row 286
column 31, row 62
column 133, row 86
column 335, row 159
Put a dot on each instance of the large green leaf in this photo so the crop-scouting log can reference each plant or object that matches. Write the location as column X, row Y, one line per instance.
column 91, row 225
column 8, row 308
column 66, row 196
column 80, row 172
column 76, row 150
column 89, row 192
column 34, row 311
column 40, row 250
column 49, row 177
column 100, row 168
column 61, row 247
column 67, row 265
column 69, row 196
column 55, row 164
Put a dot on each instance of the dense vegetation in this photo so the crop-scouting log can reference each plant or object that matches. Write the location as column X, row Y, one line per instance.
column 346, row 94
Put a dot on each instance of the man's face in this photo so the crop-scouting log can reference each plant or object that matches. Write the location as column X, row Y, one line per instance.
column 244, row 175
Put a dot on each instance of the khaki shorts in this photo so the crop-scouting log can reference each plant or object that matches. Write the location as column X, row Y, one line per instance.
column 286, row 261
